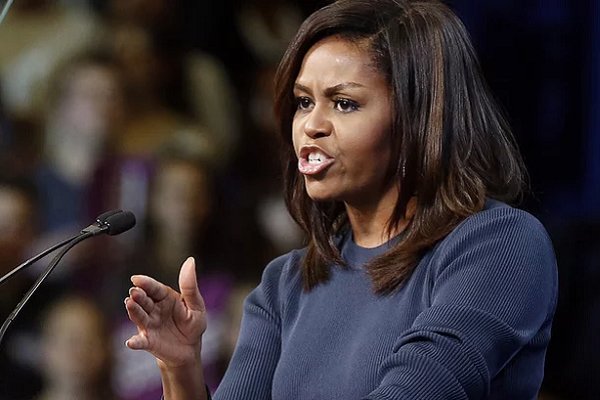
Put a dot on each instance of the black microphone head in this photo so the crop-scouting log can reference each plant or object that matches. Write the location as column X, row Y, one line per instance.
column 119, row 222
column 104, row 216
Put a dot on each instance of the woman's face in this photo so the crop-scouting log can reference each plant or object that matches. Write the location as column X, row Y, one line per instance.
column 341, row 128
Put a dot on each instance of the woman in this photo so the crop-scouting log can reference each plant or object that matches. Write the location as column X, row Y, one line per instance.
column 418, row 281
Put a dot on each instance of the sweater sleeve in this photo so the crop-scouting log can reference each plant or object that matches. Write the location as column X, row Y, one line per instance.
column 250, row 371
column 492, row 291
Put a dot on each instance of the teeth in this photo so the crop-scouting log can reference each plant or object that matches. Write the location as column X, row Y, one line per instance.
column 315, row 158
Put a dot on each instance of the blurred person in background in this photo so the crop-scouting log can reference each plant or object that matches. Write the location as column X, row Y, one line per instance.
column 84, row 116
column 19, row 142
column 169, row 85
column 184, row 216
column 183, row 203
column 166, row 90
column 18, row 229
column 75, row 351
column 37, row 37
column 264, row 28
column 150, row 79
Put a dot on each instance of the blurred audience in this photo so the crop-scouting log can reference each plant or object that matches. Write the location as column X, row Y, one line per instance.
column 168, row 83
column 84, row 116
column 183, row 219
column 37, row 36
column 75, row 352
column 18, row 227
column 148, row 75
column 19, row 142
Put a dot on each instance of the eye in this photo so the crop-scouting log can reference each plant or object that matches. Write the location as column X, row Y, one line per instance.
column 345, row 105
column 303, row 103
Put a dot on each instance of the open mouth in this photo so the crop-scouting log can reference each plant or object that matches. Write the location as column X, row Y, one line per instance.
column 313, row 161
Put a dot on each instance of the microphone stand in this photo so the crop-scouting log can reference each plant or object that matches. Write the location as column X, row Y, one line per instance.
column 100, row 221
column 111, row 222
column 36, row 258
column 43, row 276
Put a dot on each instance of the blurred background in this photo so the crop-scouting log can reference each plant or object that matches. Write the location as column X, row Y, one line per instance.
column 164, row 108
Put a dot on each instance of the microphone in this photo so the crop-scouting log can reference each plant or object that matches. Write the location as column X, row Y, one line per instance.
column 112, row 223
column 118, row 219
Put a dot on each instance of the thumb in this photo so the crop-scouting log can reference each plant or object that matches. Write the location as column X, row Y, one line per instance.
column 188, row 285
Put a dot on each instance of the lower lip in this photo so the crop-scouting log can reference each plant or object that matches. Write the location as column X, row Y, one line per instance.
column 306, row 168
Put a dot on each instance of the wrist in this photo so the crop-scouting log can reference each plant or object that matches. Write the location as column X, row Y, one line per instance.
column 185, row 357
column 183, row 381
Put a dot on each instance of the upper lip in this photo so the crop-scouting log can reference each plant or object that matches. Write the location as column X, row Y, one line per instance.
column 307, row 149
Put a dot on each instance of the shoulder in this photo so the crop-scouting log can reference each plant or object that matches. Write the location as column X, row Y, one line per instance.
column 497, row 260
column 280, row 278
column 283, row 268
column 499, row 243
column 506, row 226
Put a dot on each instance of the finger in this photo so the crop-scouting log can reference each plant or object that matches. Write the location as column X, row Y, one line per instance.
column 140, row 297
column 136, row 314
column 188, row 285
column 153, row 288
column 137, row 342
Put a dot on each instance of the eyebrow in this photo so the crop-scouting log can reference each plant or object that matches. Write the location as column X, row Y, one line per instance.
column 330, row 91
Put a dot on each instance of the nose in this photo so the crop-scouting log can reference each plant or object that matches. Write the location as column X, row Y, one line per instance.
column 318, row 124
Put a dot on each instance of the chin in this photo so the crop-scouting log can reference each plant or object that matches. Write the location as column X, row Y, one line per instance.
column 320, row 195
column 322, row 190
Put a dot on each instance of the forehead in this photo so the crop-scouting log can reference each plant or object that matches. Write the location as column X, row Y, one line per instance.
column 334, row 59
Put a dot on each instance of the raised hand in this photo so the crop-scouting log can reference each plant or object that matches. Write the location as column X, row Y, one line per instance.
column 170, row 324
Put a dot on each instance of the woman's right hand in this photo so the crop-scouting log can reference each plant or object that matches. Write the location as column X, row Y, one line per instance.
column 170, row 324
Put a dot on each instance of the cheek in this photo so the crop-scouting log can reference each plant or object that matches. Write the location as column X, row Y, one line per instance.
column 381, row 135
column 296, row 134
column 369, row 141
column 369, row 156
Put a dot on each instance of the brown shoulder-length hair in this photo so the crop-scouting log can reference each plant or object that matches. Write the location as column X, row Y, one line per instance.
column 452, row 147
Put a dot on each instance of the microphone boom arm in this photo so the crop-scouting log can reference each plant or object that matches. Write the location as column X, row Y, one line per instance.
column 111, row 223
column 36, row 258
column 39, row 281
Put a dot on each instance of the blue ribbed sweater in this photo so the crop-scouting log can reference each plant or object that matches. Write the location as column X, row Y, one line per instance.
column 472, row 322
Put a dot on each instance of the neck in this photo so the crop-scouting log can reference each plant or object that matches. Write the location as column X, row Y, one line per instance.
column 370, row 224
column 369, row 219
